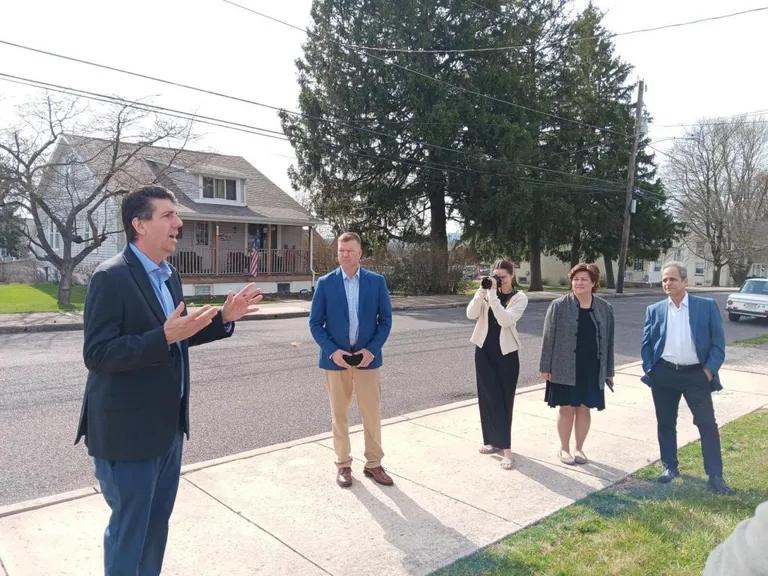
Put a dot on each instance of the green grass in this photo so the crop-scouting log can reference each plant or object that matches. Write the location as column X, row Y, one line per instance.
column 15, row 298
column 756, row 341
column 639, row 527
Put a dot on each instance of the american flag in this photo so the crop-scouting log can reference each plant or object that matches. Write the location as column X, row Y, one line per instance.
column 253, row 263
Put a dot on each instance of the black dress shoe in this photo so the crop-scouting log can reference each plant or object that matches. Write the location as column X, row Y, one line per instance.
column 717, row 484
column 667, row 475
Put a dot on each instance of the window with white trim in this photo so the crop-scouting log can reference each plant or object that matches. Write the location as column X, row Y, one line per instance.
column 201, row 234
column 54, row 239
column 699, row 268
column 219, row 189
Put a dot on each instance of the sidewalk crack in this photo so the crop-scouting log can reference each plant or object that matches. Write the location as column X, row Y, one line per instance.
column 264, row 530
column 5, row 570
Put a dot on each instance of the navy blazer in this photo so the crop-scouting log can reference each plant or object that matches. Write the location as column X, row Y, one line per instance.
column 706, row 329
column 329, row 316
column 132, row 407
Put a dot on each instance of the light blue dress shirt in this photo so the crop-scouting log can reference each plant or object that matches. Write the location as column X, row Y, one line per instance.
column 158, row 275
column 352, row 289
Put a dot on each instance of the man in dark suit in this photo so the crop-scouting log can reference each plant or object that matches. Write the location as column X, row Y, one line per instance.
column 136, row 405
column 350, row 319
column 683, row 349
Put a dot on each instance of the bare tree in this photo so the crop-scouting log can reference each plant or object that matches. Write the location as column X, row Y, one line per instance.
column 71, row 190
column 718, row 178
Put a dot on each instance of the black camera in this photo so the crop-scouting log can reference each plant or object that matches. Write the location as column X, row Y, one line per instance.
column 485, row 283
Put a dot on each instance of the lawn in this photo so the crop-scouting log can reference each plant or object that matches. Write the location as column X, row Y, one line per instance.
column 639, row 527
column 16, row 298
column 756, row 341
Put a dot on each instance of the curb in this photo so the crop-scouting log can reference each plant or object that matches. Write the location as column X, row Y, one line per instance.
column 46, row 501
column 545, row 297
column 54, row 327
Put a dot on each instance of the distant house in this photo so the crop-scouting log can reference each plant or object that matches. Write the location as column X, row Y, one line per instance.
column 238, row 225
column 639, row 272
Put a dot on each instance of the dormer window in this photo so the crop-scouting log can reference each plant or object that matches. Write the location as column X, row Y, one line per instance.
column 220, row 188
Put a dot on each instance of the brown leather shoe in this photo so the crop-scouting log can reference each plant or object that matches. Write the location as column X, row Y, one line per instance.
column 379, row 475
column 344, row 477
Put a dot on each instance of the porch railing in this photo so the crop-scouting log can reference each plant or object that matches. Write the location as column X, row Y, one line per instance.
column 226, row 262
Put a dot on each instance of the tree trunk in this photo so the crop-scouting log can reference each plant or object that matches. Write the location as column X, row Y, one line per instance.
column 610, row 280
column 718, row 267
column 439, row 241
column 65, row 285
column 575, row 248
column 534, row 244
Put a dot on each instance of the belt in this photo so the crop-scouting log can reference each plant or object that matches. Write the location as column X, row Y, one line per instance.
column 679, row 367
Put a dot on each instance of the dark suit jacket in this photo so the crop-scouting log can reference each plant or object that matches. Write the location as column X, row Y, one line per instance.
column 706, row 330
column 329, row 316
column 132, row 407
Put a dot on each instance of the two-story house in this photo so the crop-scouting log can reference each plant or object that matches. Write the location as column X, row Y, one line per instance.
column 238, row 225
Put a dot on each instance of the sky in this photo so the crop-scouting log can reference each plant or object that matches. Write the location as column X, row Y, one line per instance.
column 712, row 69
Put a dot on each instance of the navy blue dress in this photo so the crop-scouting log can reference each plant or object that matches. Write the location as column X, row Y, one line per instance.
column 587, row 390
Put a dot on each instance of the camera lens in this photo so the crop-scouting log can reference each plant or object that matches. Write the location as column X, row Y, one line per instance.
column 485, row 283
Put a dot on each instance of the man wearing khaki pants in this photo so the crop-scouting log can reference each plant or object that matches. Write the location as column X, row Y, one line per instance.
column 350, row 319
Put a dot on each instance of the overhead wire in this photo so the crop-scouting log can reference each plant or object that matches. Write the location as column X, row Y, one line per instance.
column 525, row 46
column 431, row 78
column 260, row 131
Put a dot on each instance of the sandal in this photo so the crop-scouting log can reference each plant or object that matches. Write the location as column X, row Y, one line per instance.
column 579, row 457
column 506, row 463
column 488, row 449
column 565, row 457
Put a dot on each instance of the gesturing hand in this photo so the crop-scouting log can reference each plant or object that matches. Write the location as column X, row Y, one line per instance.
column 238, row 305
column 179, row 327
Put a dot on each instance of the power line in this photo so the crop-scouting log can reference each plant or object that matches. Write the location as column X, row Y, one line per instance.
column 258, row 131
column 525, row 46
column 216, row 121
column 224, row 95
column 431, row 78
column 219, row 94
column 180, row 114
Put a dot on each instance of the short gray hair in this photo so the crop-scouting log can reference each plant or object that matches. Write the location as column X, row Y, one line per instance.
column 681, row 269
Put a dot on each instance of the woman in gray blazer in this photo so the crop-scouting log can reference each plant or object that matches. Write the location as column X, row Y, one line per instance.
column 577, row 358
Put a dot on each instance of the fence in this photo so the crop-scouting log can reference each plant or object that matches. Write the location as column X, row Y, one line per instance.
column 226, row 262
column 19, row 270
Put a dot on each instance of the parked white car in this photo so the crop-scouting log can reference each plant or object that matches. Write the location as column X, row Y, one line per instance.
column 751, row 300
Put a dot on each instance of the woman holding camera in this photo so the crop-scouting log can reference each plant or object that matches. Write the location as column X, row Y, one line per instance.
column 577, row 358
column 497, row 307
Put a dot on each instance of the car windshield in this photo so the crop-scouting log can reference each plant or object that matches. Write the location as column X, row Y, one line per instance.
column 755, row 287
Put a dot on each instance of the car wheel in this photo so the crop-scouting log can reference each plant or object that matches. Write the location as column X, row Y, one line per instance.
column 733, row 317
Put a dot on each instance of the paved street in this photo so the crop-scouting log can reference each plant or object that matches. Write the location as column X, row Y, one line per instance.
column 256, row 389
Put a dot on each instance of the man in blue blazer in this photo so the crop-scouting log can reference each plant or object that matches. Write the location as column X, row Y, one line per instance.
column 350, row 319
column 683, row 349
column 136, row 404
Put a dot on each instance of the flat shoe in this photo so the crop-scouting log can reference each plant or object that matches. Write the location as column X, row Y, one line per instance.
column 566, row 458
column 488, row 449
column 506, row 463
column 579, row 457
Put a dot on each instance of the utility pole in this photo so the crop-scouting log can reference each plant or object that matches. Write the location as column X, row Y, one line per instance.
column 630, row 186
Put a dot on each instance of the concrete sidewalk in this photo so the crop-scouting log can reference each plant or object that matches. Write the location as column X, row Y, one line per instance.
column 294, row 308
column 278, row 511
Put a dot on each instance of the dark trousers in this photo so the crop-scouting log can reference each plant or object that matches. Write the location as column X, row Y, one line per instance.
column 667, row 386
column 496, row 384
column 141, row 495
